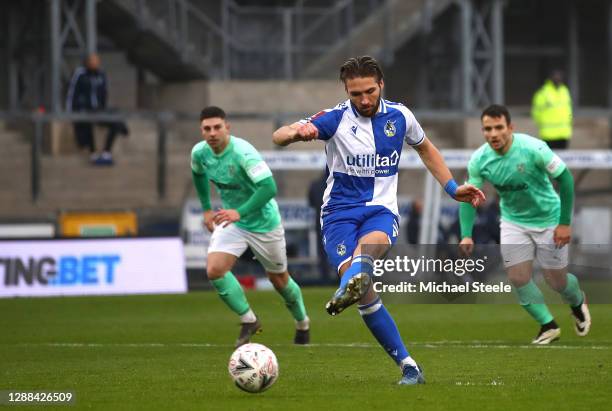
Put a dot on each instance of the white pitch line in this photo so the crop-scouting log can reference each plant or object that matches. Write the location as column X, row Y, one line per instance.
column 429, row 344
column 492, row 383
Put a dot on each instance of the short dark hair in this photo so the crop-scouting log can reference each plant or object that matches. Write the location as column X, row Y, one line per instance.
column 496, row 110
column 364, row 66
column 212, row 112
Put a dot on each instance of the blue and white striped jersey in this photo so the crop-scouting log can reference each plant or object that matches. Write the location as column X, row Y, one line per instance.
column 363, row 153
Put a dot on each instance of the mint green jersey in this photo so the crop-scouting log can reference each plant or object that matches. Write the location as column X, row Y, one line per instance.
column 234, row 173
column 521, row 178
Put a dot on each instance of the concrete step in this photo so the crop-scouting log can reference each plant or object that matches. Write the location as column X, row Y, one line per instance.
column 100, row 190
column 15, row 154
column 13, row 188
column 86, row 169
column 13, row 168
column 98, row 194
column 95, row 200
column 13, row 142
column 20, row 191
column 147, row 42
column 26, row 210
column 405, row 18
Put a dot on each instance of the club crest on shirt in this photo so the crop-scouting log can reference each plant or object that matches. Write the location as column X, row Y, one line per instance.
column 341, row 249
column 230, row 170
column 520, row 168
column 390, row 128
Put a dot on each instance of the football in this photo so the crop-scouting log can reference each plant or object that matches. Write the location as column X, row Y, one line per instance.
column 253, row 367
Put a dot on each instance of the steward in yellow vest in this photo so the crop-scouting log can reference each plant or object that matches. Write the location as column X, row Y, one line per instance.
column 552, row 111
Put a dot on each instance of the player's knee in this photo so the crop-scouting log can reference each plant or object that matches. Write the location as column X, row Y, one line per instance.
column 215, row 271
column 556, row 278
column 519, row 279
column 519, row 274
column 344, row 267
column 279, row 280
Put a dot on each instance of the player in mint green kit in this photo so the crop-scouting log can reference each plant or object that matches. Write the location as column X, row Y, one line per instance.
column 535, row 221
column 249, row 218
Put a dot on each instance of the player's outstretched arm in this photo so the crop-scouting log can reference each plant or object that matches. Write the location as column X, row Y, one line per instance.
column 467, row 215
column 200, row 181
column 466, row 246
column 563, row 232
column 433, row 160
column 295, row 132
column 468, row 193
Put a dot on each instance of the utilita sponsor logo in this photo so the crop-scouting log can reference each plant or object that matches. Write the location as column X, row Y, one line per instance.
column 62, row 271
column 373, row 160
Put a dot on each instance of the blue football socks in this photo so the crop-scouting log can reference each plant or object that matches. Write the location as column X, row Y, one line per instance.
column 360, row 264
column 382, row 326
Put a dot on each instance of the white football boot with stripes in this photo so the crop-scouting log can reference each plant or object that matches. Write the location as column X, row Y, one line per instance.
column 356, row 288
column 546, row 337
column 582, row 318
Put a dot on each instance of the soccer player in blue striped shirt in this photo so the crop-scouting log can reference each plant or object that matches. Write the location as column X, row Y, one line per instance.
column 364, row 136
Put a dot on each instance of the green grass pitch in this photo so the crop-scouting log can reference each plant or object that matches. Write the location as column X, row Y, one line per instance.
column 171, row 352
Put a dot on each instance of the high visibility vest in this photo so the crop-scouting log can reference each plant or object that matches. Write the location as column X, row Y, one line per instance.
column 552, row 111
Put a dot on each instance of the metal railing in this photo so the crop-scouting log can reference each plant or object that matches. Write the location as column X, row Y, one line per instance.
column 39, row 120
column 250, row 41
column 285, row 160
column 282, row 40
column 196, row 36
column 162, row 120
column 583, row 160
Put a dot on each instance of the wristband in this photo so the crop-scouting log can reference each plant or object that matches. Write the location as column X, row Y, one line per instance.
column 451, row 187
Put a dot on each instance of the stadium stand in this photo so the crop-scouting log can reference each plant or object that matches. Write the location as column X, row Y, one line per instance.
column 136, row 39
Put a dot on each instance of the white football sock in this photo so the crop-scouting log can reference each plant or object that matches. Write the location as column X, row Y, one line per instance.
column 408, row 361
column 248, row 317
column 303, row 325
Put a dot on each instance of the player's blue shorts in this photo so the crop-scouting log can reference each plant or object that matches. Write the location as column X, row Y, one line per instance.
column 342, row 229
